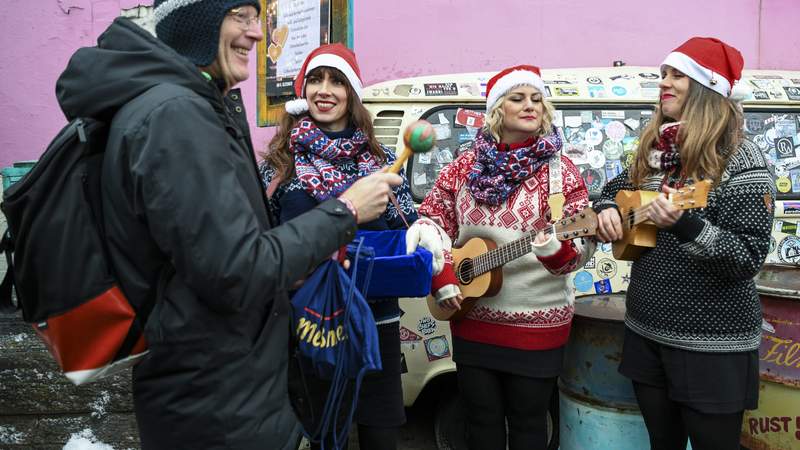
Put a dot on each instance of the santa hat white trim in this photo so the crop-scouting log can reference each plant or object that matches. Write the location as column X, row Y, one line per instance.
column 698, row 73
column 337, row 62
column 296, row 106
column 511, row 80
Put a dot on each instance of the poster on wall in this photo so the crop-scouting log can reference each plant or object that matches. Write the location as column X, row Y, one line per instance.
column 294, row 28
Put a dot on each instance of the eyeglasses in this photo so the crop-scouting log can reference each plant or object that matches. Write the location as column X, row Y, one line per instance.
column 243, row 19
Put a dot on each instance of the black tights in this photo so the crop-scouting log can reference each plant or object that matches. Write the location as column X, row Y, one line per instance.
column 491, row 398
column 372, row 438
column 670, row 424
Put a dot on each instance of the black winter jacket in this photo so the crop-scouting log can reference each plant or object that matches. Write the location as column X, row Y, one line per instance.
column 181, row 188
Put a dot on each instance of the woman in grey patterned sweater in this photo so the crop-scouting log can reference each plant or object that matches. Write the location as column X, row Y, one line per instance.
column 693, row 316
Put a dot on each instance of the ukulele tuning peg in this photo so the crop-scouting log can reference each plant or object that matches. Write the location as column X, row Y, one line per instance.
column 572, row 219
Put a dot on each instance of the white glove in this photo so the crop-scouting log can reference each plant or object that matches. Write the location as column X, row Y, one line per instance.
column 547, row 248
column 425, row 234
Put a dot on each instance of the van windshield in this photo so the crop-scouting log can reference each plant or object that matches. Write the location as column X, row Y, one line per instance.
column 601, row 141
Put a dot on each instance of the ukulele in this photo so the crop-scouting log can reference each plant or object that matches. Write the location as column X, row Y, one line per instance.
column 478, row 264
column 638, row 232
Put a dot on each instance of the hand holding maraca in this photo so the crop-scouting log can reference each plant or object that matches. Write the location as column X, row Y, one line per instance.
column 418, row 138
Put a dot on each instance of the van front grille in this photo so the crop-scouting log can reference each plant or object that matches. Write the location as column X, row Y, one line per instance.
column 387, row 127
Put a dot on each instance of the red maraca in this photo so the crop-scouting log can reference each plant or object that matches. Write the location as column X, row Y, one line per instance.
column 418, row 138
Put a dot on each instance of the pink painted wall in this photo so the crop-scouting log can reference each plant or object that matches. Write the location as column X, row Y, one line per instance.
column 408, row 38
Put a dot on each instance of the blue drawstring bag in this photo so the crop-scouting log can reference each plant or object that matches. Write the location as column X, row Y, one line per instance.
column 336, row 340
column 395, row 274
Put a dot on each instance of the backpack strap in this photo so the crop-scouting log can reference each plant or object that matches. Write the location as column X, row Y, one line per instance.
column 136, row 329
column 6, row 303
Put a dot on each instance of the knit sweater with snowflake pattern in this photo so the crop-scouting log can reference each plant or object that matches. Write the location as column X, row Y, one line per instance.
column 533, row 309
column 695, row 289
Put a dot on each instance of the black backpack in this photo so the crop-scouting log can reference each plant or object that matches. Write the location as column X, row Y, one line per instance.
column 58, row 260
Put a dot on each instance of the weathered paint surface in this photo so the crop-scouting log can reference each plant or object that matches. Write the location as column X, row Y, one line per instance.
column 775, row 425
column 586, row 426
column 598, row 408
column 594, row 352
column 779, row 288
column 401, row 39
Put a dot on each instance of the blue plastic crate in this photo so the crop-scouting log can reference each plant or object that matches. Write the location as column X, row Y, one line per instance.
column 13, row 174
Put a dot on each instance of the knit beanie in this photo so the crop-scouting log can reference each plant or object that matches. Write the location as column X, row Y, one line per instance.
column 191, row 27
column 336, row 56
column 712, row 63
column 507, row 79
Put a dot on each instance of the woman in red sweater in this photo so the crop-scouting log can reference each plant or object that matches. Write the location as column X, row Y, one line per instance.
column 509, row 348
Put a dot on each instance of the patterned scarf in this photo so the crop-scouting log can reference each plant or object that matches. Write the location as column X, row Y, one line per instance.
column 327, row 167
column 665, row 156
column 497, row 173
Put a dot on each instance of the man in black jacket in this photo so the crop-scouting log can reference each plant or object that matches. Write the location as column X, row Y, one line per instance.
column 186, row 217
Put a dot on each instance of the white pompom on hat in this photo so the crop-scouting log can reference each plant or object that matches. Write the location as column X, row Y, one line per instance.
column 507, row 79
column 712, row 63
column 336, row 56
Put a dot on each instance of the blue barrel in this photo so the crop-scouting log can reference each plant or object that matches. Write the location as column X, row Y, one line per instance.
column 598, row 408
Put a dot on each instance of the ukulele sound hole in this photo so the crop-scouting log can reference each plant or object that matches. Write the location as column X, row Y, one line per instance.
column 464, row 272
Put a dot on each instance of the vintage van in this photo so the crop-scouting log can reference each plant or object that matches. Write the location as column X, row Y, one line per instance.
column 602, row 111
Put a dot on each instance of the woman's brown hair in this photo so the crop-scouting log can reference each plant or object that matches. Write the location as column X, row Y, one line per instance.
column 710, row 132
column 278, row 153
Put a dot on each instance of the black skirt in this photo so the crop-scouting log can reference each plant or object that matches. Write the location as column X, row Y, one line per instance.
column 712, row 383
column 528, row 363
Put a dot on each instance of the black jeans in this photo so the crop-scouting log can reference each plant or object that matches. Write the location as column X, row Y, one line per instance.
column 492, row 398
column 670, row 424
column 372, row 438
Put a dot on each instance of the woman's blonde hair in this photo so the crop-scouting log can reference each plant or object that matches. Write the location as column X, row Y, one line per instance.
column 278, row 153
column 710, row 132
column 493, row 123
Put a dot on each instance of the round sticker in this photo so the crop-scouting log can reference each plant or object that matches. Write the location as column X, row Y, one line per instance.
column 784, row 184
column 597, row 159
column 593, row 179
column 615, row 131
column 789, row 250
column 605, row 247
column 594, row 80
column 607, row 268
column 770, row 136
column 593, row 136
column 761, row 142
column 583, row 281
column 612, row 149
column 619, row 91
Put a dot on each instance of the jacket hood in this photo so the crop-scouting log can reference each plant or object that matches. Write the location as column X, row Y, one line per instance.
column 126, row 62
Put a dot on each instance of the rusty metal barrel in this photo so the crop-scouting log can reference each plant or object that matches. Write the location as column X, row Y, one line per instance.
column 598, row 408
column 775, row 425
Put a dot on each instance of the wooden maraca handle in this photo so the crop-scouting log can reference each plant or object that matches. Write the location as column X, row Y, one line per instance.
column 418, row 138
column 398, row 164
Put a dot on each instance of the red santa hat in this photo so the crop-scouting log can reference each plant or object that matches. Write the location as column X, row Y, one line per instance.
column 336, row 56
column 509, row 78
column 712, row 63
